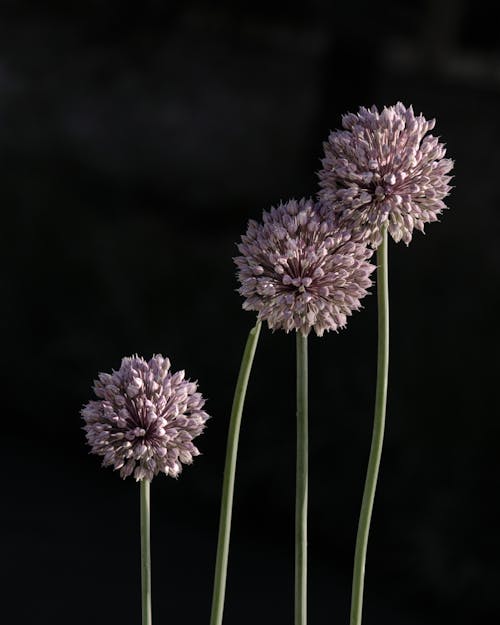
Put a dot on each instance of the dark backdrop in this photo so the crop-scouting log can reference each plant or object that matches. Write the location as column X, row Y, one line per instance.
column 136, row 139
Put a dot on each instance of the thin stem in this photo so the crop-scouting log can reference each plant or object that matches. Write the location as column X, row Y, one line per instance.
column 145, row 554
column 377, row 436
column 229, row 474
column 301, row 485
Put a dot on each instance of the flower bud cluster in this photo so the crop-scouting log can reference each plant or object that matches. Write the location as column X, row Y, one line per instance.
column 145, row 418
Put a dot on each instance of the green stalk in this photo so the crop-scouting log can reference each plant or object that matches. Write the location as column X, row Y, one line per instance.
column 229, row 473
column 377, row 436
column 145, row 554
column 301, row 485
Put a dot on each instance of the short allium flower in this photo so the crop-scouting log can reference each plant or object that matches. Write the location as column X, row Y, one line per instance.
column 299, row 271
column 145, row 418
column 382, row 170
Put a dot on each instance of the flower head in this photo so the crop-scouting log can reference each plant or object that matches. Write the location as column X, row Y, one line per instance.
column 145, row 418
column 382, row 170
column 299, row 271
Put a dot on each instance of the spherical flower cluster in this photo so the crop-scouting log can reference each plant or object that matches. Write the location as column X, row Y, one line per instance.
column 382, row 171
column 145, row 418
column 299, row 271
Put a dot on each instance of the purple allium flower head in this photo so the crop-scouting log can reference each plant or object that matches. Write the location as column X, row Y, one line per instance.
column 299, row 271
column 145, row 418
column 382, row 170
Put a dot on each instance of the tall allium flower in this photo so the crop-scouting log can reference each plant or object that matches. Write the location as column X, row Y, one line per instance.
column 382, row 170
column 145, row 418
column 299, row 271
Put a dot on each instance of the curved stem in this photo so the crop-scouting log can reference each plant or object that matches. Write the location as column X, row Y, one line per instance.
column 229, row 473
column 301, row 485
column 377, row 436
column 145, row 554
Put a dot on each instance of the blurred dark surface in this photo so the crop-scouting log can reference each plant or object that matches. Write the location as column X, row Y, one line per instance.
column 136, row 140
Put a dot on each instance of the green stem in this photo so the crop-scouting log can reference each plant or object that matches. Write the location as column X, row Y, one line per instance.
column 301, row 485
column 229, row 473
column 377, row 436
column 145, row 554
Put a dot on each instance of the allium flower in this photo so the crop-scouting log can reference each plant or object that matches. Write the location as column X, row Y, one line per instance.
column 381, row 170
column 145, row 418
column 299, row 271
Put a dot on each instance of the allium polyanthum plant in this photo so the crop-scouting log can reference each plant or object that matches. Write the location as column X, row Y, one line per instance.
column 299, row 271
column 384, row 171
column 143, row 422
column 382, row 174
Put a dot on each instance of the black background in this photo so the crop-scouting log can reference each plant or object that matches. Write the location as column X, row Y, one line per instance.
column 136, row 139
